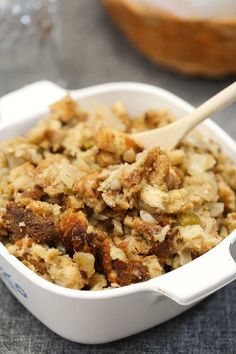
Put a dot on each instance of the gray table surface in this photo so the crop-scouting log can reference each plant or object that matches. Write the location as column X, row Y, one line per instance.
column 93, row 51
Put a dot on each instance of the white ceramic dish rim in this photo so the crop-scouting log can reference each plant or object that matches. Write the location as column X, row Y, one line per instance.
column 156, row 284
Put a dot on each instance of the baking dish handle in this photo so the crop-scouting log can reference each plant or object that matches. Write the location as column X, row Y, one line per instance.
column 28, row 101
column 201, row 277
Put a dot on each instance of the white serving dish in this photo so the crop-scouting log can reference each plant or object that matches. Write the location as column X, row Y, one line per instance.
column 103, row 316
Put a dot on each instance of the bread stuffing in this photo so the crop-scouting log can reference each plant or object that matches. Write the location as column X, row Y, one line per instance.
column 86, row 207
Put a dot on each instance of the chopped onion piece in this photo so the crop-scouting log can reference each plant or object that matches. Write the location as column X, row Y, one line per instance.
column 118, row 253
column 146, row 217
column 199, row 163
column 216, row 209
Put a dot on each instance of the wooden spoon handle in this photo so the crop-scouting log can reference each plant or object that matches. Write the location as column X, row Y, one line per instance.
column 213, row 105
column 170, row 135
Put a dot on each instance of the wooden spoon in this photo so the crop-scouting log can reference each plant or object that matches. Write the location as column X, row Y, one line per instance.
column 169, row 136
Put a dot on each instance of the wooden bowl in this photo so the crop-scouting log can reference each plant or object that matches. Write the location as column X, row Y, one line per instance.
column 197, row 47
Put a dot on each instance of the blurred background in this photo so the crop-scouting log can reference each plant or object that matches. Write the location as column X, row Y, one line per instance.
column 75, row 43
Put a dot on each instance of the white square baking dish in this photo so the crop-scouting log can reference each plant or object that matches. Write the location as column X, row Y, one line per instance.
column 103, row 316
